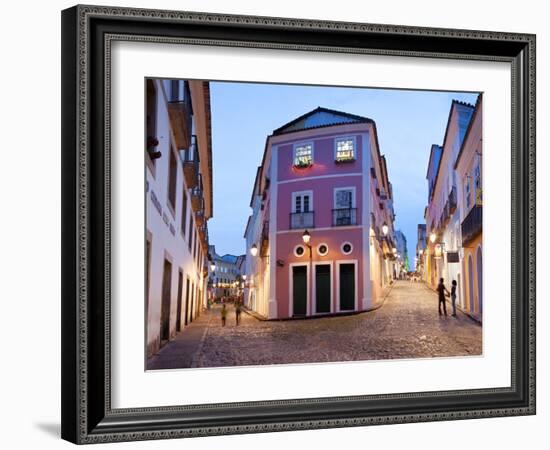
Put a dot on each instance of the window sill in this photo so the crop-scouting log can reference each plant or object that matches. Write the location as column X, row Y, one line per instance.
column 345, row 161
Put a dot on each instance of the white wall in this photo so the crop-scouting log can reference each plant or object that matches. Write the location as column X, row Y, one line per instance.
column 30, row 228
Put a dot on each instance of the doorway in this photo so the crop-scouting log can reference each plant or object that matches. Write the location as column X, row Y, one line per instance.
column 299, row 290
column 165, row 305
column 322, row 288
column 347, row 286
column 180, row 294
column 187, row 302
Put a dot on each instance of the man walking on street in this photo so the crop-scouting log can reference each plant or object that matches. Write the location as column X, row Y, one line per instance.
column 441, row 290
column 237, row 312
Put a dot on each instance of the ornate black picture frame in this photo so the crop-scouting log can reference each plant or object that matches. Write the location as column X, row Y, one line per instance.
column 87, row 34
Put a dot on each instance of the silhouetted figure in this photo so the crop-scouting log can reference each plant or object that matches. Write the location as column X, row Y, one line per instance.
column 237, row 312
column 224, row 314
column 441, row 290
column 453, row 297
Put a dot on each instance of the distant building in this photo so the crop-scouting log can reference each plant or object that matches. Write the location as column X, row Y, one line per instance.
column 178, row 199
column 402, row 254
column 226, row 278
column 420, row 247
column 320, row 238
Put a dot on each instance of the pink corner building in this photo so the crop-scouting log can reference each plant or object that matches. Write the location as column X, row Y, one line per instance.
column 320, row 239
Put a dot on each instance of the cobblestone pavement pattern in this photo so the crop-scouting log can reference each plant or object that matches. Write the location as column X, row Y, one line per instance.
column 406, row 326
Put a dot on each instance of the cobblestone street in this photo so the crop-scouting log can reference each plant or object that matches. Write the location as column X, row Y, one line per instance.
column 406, row 326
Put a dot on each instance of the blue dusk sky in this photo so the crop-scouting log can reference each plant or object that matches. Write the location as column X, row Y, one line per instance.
column 244, row 114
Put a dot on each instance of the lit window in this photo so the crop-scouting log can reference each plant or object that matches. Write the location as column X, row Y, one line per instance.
column 303, row 155
column 345, row 150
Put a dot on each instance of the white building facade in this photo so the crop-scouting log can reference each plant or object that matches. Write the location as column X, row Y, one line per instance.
column 178, row 199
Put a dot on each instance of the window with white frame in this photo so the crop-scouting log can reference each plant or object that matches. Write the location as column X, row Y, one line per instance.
column 344, row 212
column 345, row 149
column 303, row 155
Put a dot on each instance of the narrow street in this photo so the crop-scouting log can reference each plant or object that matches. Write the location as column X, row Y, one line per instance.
column 406, row 326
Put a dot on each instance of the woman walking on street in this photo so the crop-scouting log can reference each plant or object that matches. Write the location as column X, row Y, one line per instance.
column 441, row 290
column 453, row 297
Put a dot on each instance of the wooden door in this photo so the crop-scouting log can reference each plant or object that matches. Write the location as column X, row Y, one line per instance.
column 322, row 288
column 347, row 287
column 299, row 290
column 180, row 294
column 166, row 298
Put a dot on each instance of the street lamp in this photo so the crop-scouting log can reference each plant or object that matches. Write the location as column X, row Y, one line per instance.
column 244, row 276
column 385, row 229
column 306, row 237
column 433, row 237
column 254, row 250
column 212, row 266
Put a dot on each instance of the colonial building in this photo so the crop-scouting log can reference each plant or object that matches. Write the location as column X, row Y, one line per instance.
column 444, row 251
column 420, row 248
column 402, row 253
column 469, row 187
column 225, row 274
column 321, row 236
column 178, row 198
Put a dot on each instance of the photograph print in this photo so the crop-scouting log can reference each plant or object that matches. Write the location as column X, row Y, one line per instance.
column 296, row 224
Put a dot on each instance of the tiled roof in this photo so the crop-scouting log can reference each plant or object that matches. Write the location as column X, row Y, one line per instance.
column 318, row 118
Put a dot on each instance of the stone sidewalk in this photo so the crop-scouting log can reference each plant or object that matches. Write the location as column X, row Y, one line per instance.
column 406, row 326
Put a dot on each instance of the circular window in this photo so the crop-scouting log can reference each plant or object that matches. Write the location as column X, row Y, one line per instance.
column 347, row 248
column 322, row 249
column 299, row 250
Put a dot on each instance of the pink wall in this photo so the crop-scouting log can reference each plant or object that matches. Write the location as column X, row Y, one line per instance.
column 323, row 199
column 333, row 238
column 323, row 158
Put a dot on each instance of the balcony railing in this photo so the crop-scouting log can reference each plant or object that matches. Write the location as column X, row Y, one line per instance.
column 197, row 199
column 190, row 160
column 302, row 220
column 344, row 216
column 451, row 201
column 472, row 225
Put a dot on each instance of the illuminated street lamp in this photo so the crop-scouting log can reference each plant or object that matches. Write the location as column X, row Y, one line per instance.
column 254, row 250
column 244, row 276
column 385, row 229
column 212, row 266
column 433, row 237
column 306, row 237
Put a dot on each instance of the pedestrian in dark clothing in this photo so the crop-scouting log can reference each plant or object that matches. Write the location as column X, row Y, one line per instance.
column 237, row 312
column 441, row 291
column 224, row 314
column 453, row 297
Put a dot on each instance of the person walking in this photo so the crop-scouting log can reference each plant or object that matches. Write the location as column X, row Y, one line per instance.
column 237, row 312
column 441, row 291
column 224, row 314
column 453, row 297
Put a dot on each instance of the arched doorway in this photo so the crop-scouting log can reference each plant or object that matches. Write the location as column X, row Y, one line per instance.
column 479, row 280
column 470, row 284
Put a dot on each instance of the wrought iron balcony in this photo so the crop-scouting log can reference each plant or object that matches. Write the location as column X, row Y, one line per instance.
column 451, row 201
column 344, row 216
column 197, row 199
column 302, row 220
column 472, row 225
column 190, row 160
